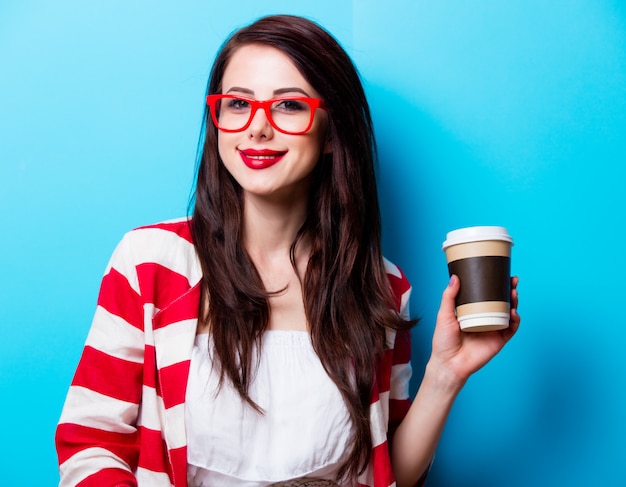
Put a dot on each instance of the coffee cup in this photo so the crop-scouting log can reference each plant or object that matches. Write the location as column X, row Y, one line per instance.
column 481, row 258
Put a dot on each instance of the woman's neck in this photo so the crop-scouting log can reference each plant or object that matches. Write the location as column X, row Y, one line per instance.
column 271, row 227
column 269, row 231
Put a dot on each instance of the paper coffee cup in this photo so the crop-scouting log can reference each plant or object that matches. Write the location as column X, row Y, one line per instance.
column 481, row 258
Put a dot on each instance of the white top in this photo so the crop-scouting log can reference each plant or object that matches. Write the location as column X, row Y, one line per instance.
column 303, row 432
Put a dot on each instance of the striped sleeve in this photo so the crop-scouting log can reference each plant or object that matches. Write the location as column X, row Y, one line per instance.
column 97, row 437
column 390, row 396
column 399, row 399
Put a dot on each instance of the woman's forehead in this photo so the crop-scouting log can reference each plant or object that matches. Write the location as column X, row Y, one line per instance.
column 262, row 71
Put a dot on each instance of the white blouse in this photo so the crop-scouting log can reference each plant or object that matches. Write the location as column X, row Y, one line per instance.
column 303, row 432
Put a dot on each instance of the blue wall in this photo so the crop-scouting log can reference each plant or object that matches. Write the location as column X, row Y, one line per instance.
column 509, row 113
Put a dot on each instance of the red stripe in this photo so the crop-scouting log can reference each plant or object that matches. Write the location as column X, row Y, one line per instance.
column 397, row 411
column 399, row 286
column 153, row 455
column 186, row 307
column 74, row 438
column 180, row 228
column 173, row 382
column 111, row 376
column 178, row 457
column 383, row 476
column 402, row 347
column 398, row 408
column 384, row 370
column 160, row 285
column 120, row 299
column 113, row 477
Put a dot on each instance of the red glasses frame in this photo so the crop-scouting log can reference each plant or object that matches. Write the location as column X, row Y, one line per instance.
column 265, row 105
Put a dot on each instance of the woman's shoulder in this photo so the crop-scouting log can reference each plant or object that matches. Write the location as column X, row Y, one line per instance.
column 165, row 244
column 396, row 275
column 181, row 227
column 168, row 232
column 400, row 285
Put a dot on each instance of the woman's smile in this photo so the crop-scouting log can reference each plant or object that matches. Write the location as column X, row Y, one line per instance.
column 260, row 159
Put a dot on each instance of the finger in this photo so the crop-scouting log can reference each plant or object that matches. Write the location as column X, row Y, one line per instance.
column 513, row 324
column 446, row 312
column 514, row 298
column 514, row 292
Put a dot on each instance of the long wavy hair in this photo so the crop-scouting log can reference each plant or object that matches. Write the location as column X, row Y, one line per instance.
column 347, row 296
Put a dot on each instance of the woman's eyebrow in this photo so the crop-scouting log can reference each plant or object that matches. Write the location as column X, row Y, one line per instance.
column 277, row 92
column 290, row 89
column 238, row 89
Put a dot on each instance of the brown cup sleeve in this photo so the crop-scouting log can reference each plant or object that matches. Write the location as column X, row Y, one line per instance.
column 484, row 278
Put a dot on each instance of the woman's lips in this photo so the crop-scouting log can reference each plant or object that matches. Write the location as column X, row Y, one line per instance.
column 260, row 159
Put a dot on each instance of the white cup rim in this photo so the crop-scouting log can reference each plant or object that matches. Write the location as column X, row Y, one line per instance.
column 476, row 234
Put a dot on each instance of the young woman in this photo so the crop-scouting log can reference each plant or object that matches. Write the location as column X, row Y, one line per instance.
column 266, row 339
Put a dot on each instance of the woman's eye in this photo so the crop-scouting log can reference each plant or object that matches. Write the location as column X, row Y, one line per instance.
column 290, row 105
column 238, row 104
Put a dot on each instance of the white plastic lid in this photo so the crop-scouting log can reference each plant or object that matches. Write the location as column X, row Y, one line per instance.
column 476, row 234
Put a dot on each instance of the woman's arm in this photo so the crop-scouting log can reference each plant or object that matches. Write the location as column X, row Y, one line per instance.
column 455, row 356
column 97, row 435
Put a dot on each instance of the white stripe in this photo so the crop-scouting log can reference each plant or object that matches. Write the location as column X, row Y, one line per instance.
column 175, row 435
column 378, row 419
column 122, row 261
column 87, row 462
column 404, row 304
column 400, row 376
column 167, row 249
column 149, row 310
column 384, row 407
column 88, row 408
column 390, row 336
column 174, row 342
column 150, row 415
column 391, row 268
column 148, row 478
column 115, row 336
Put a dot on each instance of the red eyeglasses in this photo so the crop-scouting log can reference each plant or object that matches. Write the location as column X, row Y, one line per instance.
column 289, row 115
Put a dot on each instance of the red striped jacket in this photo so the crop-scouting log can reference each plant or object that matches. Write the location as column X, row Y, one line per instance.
column 123, row 420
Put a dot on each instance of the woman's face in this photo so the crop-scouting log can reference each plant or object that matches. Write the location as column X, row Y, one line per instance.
column 264, row 161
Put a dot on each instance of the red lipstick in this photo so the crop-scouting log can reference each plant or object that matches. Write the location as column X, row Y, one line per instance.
column 260, row 158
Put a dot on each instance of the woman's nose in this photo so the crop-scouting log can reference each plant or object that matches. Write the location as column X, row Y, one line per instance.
column 260, row 126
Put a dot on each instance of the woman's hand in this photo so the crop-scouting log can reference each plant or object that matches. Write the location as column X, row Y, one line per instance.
column 459, row 354
column 455, row 356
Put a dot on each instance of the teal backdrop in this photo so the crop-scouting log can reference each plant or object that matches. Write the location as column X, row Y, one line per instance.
column 505, row 113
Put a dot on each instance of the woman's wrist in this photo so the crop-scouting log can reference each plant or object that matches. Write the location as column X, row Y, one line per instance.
column 441, row 379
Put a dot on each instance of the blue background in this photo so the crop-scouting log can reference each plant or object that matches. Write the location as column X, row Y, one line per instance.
column 507, row 113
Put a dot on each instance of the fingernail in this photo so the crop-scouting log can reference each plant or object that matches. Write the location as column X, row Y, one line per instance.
column 451, row 281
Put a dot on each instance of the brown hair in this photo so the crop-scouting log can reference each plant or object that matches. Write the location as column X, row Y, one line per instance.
column 347, row 296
